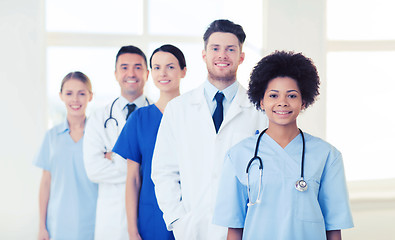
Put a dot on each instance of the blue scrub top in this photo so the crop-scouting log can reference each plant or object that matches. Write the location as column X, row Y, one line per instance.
column 284, row 213
column 137, row 142
column 71, row 208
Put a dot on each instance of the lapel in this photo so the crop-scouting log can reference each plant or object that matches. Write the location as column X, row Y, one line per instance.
column 198, row 101
column 239, row 104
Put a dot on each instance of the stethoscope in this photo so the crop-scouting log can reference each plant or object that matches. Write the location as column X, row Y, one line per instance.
column 111, row 117
column 300, row 185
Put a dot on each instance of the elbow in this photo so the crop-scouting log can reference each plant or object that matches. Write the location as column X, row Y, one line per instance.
column 93, row 176
column 92, row 173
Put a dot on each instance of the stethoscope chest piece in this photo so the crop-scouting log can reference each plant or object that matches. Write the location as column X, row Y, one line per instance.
column 301, row 185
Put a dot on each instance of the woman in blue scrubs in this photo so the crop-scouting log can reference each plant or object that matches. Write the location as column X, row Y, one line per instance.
column 283, row 84
column 67, row 199
column 137, row 141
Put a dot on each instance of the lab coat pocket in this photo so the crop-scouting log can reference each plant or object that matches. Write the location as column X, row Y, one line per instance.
column 308, row 208
column 182, row 227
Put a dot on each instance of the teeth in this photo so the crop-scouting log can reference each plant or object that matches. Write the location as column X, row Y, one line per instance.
column 282, row 113
column 75, row 107
column 130, row 81
column 164, row 81
column 222, row 64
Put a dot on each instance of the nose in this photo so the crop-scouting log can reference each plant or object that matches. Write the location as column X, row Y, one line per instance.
column 223, row 54
column 131, row 72
column 162, row 72
column 75, row 97
column 282, row 101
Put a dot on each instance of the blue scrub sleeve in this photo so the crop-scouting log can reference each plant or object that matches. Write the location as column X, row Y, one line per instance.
column 231, row 205
column 127, row 145
column 333, row 195
column 42, row 159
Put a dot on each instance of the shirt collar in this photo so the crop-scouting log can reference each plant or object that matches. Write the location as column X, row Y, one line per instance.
column 140, row 102
column 229, row 92
column 63, row 127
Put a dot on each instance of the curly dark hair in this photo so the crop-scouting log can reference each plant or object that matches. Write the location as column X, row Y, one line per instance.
column 284, row 64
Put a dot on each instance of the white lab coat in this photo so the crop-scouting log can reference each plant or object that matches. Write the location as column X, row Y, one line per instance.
column 188, row 158
column 111, row 222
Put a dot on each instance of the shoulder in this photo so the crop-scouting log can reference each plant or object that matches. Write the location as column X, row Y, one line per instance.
column 58, row 128
column 193, row 96
column 321, row 146
column 244, row 148
column 241, row 89
column 149, row 111
column 240, row 154
column 144, row 110
column 54, row 132
column 100, row 113
column 242, row 99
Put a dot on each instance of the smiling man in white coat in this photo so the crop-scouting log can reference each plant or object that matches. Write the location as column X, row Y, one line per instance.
column 103, row 128
column 196, row 131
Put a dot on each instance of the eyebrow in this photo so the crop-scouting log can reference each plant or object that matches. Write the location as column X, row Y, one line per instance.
column 68, row 90
column 127, row 64
column 218, row 45
column 156, row 64
column 273, row 90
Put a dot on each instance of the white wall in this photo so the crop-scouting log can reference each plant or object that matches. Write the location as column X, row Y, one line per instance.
column 299, row 25
column 373, row 209
column 23, row 117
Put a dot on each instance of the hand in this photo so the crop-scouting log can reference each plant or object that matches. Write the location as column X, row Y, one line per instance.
column 43, row 234
column 108, row 155
column 134, row 236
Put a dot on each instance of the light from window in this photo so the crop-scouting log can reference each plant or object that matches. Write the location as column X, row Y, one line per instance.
column 361, row 19
column 360, row 115
column 92, row 16
column 175, row 18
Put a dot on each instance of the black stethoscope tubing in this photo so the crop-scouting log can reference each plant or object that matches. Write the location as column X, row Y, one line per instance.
column 300, row 185
column 111, row 117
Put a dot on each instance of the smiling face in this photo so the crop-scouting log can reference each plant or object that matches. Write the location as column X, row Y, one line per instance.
column 131, row 73
column 282, row 102
column 75, row 95
column 223, row 56
column 166, row 72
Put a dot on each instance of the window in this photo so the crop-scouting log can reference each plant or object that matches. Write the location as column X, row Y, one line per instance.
column 360, row 85
column 86, row 36
column 90, row 16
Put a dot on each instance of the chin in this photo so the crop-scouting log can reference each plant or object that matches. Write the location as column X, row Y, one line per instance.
column 226, row 78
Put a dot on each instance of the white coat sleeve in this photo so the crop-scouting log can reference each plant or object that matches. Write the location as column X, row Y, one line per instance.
column 98, row 168
column 165, row 168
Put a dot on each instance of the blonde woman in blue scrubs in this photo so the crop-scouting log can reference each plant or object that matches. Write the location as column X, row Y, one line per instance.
column 67, row 199
column 278, row 205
